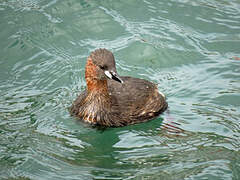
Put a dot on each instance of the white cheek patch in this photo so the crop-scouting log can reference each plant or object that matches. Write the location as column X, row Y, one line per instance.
column 108, row 74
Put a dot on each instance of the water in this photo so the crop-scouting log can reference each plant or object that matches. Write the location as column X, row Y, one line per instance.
column 190, row 48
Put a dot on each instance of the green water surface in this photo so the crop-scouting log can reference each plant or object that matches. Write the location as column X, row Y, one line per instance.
column 190, row 48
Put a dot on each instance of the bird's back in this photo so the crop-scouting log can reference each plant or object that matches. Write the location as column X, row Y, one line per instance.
column 136, row 100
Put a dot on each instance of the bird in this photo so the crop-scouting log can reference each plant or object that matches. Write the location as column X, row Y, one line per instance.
column 110, row 100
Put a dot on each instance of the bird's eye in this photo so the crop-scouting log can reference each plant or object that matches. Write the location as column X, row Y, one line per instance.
column 103, row 67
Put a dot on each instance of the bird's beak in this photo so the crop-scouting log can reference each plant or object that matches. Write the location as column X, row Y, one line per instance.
column 113, row 75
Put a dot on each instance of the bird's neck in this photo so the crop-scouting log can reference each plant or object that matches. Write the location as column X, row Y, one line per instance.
column 94, row 84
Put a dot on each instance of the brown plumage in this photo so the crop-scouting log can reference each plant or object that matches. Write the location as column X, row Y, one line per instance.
column 110, row 100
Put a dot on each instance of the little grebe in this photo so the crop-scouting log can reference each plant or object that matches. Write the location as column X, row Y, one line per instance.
column 110, row 100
